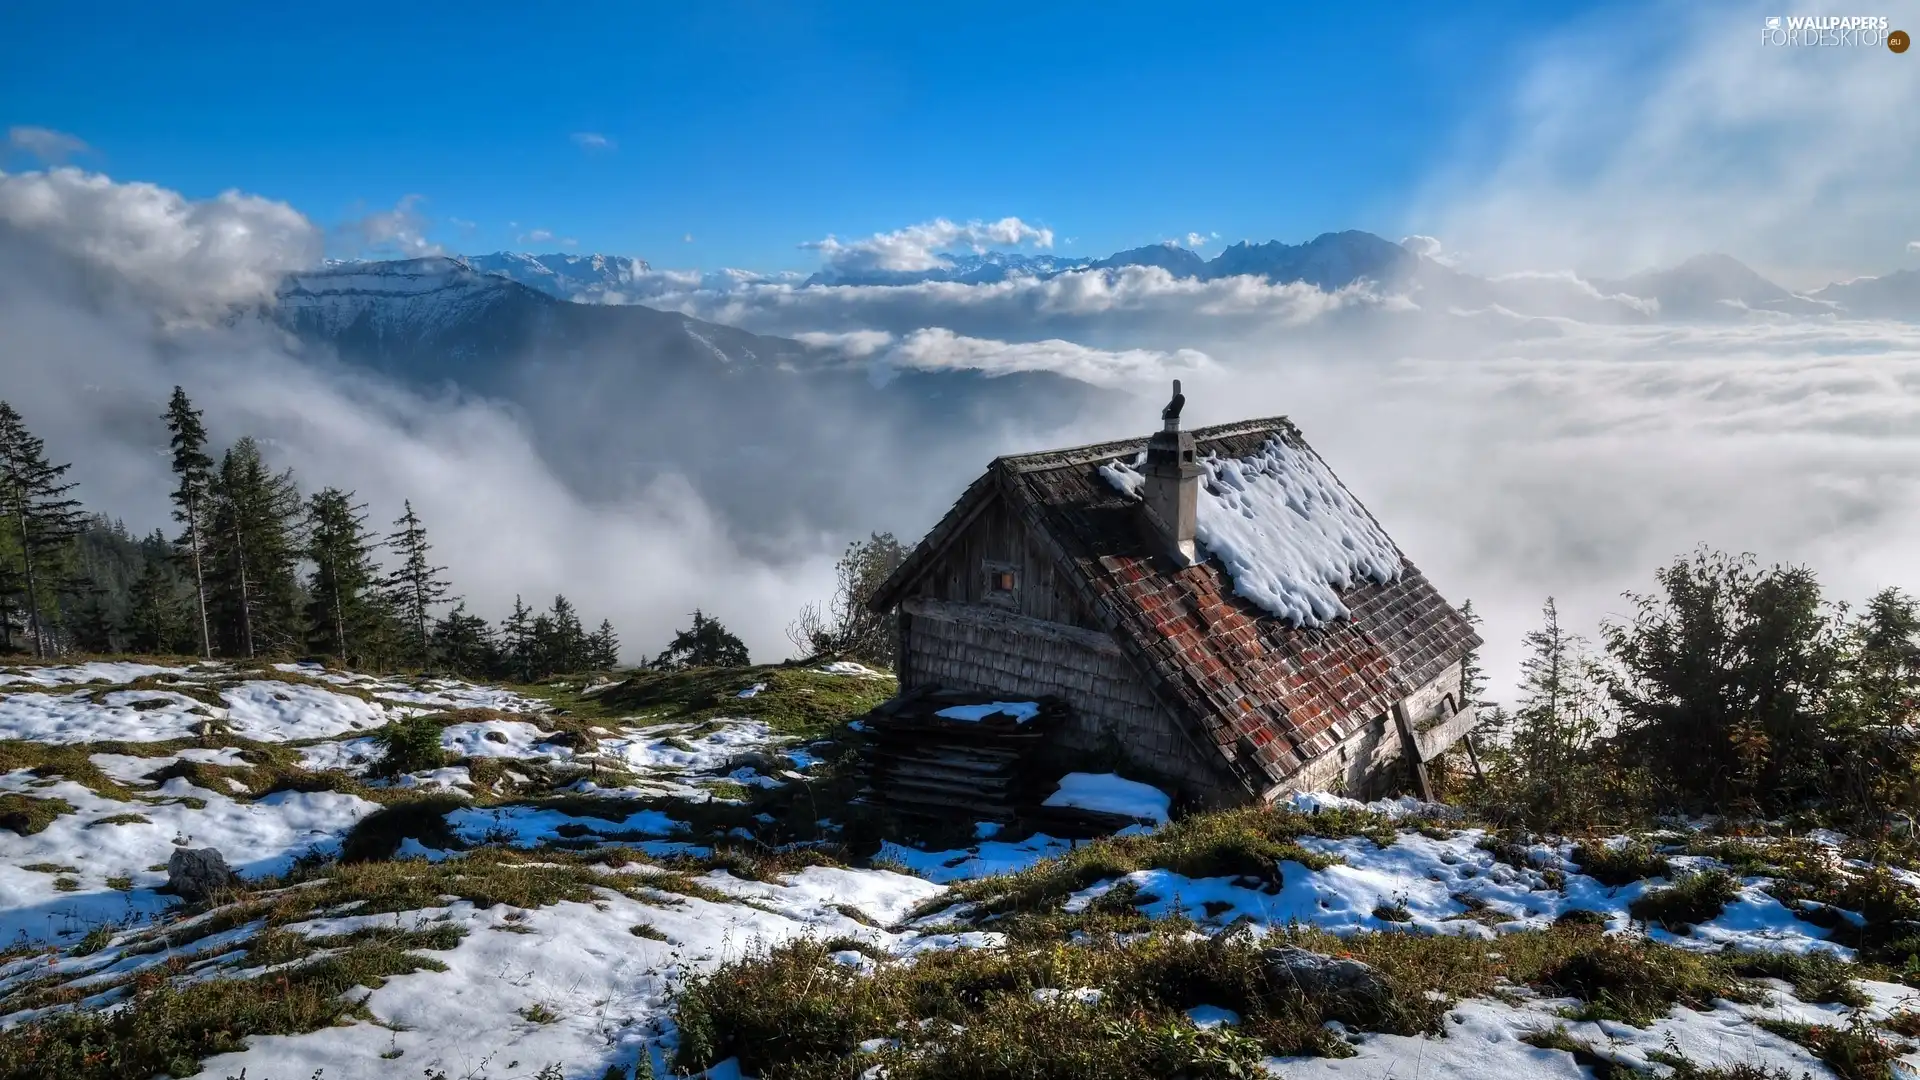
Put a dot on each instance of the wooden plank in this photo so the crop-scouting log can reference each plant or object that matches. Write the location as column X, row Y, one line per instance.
column 996, row 620
column 1410, row 749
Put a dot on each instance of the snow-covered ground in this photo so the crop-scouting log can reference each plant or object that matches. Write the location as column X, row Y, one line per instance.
column 589, row 981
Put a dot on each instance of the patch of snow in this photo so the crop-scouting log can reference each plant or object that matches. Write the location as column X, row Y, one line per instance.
column 1290, row 535
column 500, row 738
column 1085, row 995
column 526, row 826
column 848, row 667
column 1107, row 793
column 668, row 747
column 258, row 838
column 1021, row 711
column 1208, row 1017
column 106, row 671
column 752, row 690
column 76, row 718
column 980, row 860
column 271, row 711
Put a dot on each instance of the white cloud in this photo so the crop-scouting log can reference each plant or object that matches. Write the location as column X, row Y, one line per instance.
column 101, row 370
column 50, row 146
column 918, row 247
column 1425, row 246
column 534, row 236
column 937, row 349
column 1913, row 245
column 1626, row 151
column 1200, row 240
column 186, row 257
column 687, row 239
column 591, row 141
column 400, row 231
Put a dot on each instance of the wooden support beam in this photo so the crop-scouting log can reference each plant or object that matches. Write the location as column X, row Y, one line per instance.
column 1410, row 749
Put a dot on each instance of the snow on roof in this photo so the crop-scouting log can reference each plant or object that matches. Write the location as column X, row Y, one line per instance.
column 1289, row 534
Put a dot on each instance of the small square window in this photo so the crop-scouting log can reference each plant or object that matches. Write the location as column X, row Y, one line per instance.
column 1002, row 583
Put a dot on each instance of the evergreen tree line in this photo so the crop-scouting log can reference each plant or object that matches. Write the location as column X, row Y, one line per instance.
column 1733, row 688
column 255, row 570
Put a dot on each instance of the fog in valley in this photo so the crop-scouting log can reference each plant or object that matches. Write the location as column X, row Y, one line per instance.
column 1569, row 447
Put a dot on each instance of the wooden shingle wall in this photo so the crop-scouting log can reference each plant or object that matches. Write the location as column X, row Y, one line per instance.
column 983, row 651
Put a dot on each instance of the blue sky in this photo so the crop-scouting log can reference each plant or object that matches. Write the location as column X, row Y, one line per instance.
column 753, row 127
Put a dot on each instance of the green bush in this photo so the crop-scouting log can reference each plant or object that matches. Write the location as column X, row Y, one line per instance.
column 409, row 744
column 1693, row 899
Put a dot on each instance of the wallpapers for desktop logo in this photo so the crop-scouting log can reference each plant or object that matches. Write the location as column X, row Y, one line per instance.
column 1833, row 30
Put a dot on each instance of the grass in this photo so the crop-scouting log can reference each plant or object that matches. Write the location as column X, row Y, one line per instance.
column 1690, row 900
column 797, row 701
column 164, row 1028
column 793, row 1012
column 1247, row 845
column 27, row 815
column 1621, row 864
column 424, row 818
column 1854, row 1051
column 120, row 819
column 1818, row 976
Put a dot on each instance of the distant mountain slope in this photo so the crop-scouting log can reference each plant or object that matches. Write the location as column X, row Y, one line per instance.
column 584, row 278
column 775, row 435
column 1328, row 261
column 1893, row 296
column 443, row 318
column 1712, row 286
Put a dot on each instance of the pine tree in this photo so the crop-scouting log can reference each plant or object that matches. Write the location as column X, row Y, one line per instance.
column 566, row 642
column 344, row 607
column 465, row 643
column 92, row 628
column 253, row 592
column 1473, row 677
column 543, row 653
column 39, row 516
column 194, row 472
column 414, row 588
column 707, row 644
column 157, row 621
column 517, row 641
column 603, row 648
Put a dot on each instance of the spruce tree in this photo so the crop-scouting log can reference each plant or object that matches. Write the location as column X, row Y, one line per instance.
column 252, row 550
column 345, row 610
column 157, row 620
column 517, row 641
column 1473, row 676
column 603, row 648
column 566, row 646
column 465, row 643
column 41, row 519
column 193, row 471
column 707, row 644
column 415, row 587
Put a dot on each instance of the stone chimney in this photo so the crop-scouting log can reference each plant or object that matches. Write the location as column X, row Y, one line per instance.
column 1172, row 489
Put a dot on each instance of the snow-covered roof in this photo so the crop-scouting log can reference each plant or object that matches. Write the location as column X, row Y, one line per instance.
column 1288, row 533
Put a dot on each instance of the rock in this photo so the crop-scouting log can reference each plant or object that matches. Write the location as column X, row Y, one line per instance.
column 1320, row 976
column 197, row 873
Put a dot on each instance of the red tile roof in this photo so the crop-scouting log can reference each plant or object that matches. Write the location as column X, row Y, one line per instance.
column 1241, row 677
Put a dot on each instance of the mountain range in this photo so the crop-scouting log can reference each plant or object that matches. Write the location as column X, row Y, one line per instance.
column 1706, row 287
